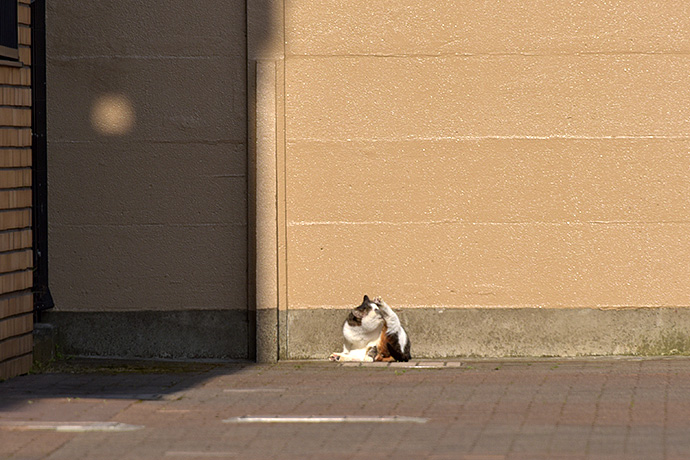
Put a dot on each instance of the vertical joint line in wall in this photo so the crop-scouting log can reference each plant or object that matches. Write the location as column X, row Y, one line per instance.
column 283, row 152
column 281, row 207
column 250, row 104
column 279, row 299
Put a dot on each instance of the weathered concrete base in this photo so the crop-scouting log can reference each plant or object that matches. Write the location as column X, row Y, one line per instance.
column 503, row 332
column 45, row 343
column 267, row 335
column 194, row 334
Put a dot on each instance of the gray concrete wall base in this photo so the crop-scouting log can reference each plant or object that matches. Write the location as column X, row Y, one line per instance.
column 191, row 334
column 45, row 343
column 267, row 335
column 503, row 332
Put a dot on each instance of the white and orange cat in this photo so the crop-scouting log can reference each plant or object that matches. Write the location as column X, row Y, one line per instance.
column 372, row 332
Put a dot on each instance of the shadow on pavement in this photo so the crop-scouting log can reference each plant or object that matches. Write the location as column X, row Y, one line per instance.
column 95, row 378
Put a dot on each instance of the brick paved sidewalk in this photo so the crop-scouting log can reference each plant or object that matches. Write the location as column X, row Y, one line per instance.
column 475, row 410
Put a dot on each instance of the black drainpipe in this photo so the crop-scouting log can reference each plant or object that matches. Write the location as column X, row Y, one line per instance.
column 42, row 298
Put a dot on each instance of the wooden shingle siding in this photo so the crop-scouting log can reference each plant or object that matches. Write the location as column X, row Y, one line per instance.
column 16, row 341
column 17, row 281
column 24, row 35
column 11, row 199
column 10, row 220
column 16, row 366
column 20, row 345
column 15, row 137
column 25, row 54
column 15, row 305
column 15, row 178
column 24, row 14
column 14, row 116
column 15, row 239
column 16, row 255
column 15, row 158
column 17, row 97
column 16, row 326
column 15, row 76
column 14, row 261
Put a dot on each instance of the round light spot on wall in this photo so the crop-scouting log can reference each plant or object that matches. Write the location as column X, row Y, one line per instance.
column 112, row 114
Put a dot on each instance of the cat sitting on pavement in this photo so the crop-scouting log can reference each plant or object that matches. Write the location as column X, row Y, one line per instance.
column 373, row 332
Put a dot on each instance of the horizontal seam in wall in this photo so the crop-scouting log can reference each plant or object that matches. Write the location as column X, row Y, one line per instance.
column 18, row 315
column 15, row 229
column 15, row 357
column 463, row 222
column 15, row 294
column 487, row 137
column 151, row 57
column 218, row 224
column 25, row 208
column 526, row 54
column 238, row 142
column 402, row 307
column 14, row 251
column 15, row 272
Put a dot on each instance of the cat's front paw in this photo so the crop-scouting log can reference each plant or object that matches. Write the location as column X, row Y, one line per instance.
column 378, row 300
column 383, row 307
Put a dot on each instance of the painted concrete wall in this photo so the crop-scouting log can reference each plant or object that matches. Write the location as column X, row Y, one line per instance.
column 512, row 176
column 147, row 177
column 463, row 156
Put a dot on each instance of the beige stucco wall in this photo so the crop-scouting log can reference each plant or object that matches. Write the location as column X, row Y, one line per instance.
column 449, row 155
column 488, row 153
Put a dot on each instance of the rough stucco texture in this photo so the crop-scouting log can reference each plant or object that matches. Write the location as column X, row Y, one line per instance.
column 151, row 215
column 491, row 332
column 487, row 154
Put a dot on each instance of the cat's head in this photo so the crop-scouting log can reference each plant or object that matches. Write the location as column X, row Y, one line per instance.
column 367, row 315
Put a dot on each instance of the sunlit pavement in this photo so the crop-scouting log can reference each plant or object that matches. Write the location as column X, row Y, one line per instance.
column 603, row 408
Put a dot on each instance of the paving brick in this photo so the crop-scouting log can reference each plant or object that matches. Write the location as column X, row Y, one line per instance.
column 510, row 409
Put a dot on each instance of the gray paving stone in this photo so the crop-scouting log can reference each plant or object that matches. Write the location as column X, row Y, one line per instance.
column 475, row 409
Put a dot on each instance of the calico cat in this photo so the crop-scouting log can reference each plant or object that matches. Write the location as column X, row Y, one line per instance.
column 361, row 331
column 372, row 332
column 394, row 344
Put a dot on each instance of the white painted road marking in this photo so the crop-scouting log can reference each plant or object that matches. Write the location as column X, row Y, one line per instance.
column 200, row 454
column 69, row 427
column 253, row 390
column 326, row 419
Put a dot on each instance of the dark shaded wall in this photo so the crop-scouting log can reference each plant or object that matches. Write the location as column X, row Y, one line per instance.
column 147, row 177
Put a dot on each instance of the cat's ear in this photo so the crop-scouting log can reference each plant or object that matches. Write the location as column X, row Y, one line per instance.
column 366, row 299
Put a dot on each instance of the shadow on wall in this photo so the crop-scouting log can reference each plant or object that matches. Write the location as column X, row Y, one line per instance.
column 149, row 213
